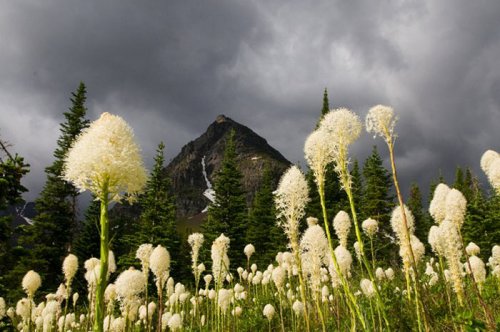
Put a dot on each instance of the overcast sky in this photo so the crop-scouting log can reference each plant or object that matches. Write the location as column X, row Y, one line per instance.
column 170, row 67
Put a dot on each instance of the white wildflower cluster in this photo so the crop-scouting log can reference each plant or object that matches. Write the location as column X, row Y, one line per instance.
column 432, row 276
column 342, row 225
column 249, row 250
column 220, row 260
column 381, row 121
column 490, row 164
column 70, row 266
column 367, row 287
column 106, row 155
column 314, row 254
column 159, row 262
column 31, row 283
column 195, row 240
column 291, row 199
column 319, row 153
column 407, row 246
column 370, row 227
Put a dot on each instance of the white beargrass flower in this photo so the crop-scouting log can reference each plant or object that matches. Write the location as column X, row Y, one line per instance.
column 389, row 273
column 106, row 153
column 455, row 206
column 314, row 253
column 31, row 282
column 220, row 260
column 279, row 276
column 398, row 224
column 437, row 207
column 249, row 250
column 453, row 254
column 319, row 153
column 143, row 253
column 478, row 270
column 342, row 225
column 23, row 308
column 472, row 249
column 291, row 199
column 344, row 259
column 490, row 164
column 110, row 293
column 237, row 311
column 436, row 240
column 380, row 274
column 70, row 266
column 195, row 240
column 370, row 227
column 159, row 262
column 130, row 283
column 224, row 299
column 298, row 307
column 381, row 121
column 367, row 287
column 3, row 308
column 343, row 128
column 357, row 250
column 268, row 311
column 175, row 322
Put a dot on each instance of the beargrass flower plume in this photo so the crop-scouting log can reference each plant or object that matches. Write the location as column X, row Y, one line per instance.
column 381, row 121
column 472, row 249
column 318, row 153
column 298, row 307
column 279, row 277
column 31, row 282
column 314, row 253
column 455, row 207
column 453, row 254
column 367, row 287
column 220, row 260
column 159, row 261
column 436, row 240
column 269, row 311
column 143, row 253
column 195, row 240
column 224, row 299
column 437, row 207
column 106, row 154
column 291, row 198
column 70, row 266
column 175, row 322
column 342, row 225
column 490, row 164
column 397, row 222
column 249, row 250
column 3, row 308
column 418, row 251
column 370, row 227
column 478, row 270
column 130, row 283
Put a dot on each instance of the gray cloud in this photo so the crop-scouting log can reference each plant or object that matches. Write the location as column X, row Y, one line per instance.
column 169, row 67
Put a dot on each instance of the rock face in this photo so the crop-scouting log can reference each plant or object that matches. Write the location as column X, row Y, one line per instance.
column 186, row 170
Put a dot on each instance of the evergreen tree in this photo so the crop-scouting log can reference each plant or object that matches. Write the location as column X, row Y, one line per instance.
column 378, row 201
column 228, row 213
column 326, row 107
column 357, row 185
column 12, row 169
column 262, row 231
column 157, row 221
column 50, row 237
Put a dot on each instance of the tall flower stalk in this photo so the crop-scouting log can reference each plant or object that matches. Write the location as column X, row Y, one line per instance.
column 381, row 121
column 319, row 153
column 291, row 198
column 106, row 160
column 343, row 128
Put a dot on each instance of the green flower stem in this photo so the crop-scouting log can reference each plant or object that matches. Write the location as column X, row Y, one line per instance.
column 101, row 282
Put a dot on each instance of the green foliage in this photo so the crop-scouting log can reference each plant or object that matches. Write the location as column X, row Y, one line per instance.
column 262, row 231
column 50, row 237
column 228, row 214
column 422, row 222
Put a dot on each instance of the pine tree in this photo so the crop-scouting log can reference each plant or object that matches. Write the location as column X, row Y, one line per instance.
column 228, row 213
column 262, row 230
column 157, row 221
column 12, row 169
column 378, row 202
column 422, row 224
column 50, row 237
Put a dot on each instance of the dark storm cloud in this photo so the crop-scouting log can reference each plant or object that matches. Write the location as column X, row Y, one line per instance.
column 170, row 67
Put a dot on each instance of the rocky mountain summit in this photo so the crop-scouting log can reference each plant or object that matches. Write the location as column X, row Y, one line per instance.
column 194, row 169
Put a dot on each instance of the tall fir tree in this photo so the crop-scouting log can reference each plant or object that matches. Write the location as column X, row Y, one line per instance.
column 228, row 213
column 415, row 204
column 49, row 239
column 12, row 170
column 263, row 231
column 157, row 221
column 378, row 202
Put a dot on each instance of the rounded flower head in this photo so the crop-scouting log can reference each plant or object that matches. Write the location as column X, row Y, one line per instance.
column 130, row 283
column 397, row 221
column 195, row 240
column 456, row 206
column 381, row 121
column 249, row 250
column 370, row 227
column 268, row 311
column 175, row 322
column 106, row 154
column 318, row 152
column 436, row 240
column 159, row 262
column 298, row 307
column 472, row 249
column 478, row 269
column 342, row 125
column 143, row 253
column 70, row 265
column 220, row 260
column 2, row 308
column 342, row 225
column 367, row 287
column 437, row 207
column 31, row 282
column 291, row 199
column 490, row 164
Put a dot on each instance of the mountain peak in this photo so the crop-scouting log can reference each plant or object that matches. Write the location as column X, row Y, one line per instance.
column 222, row 118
